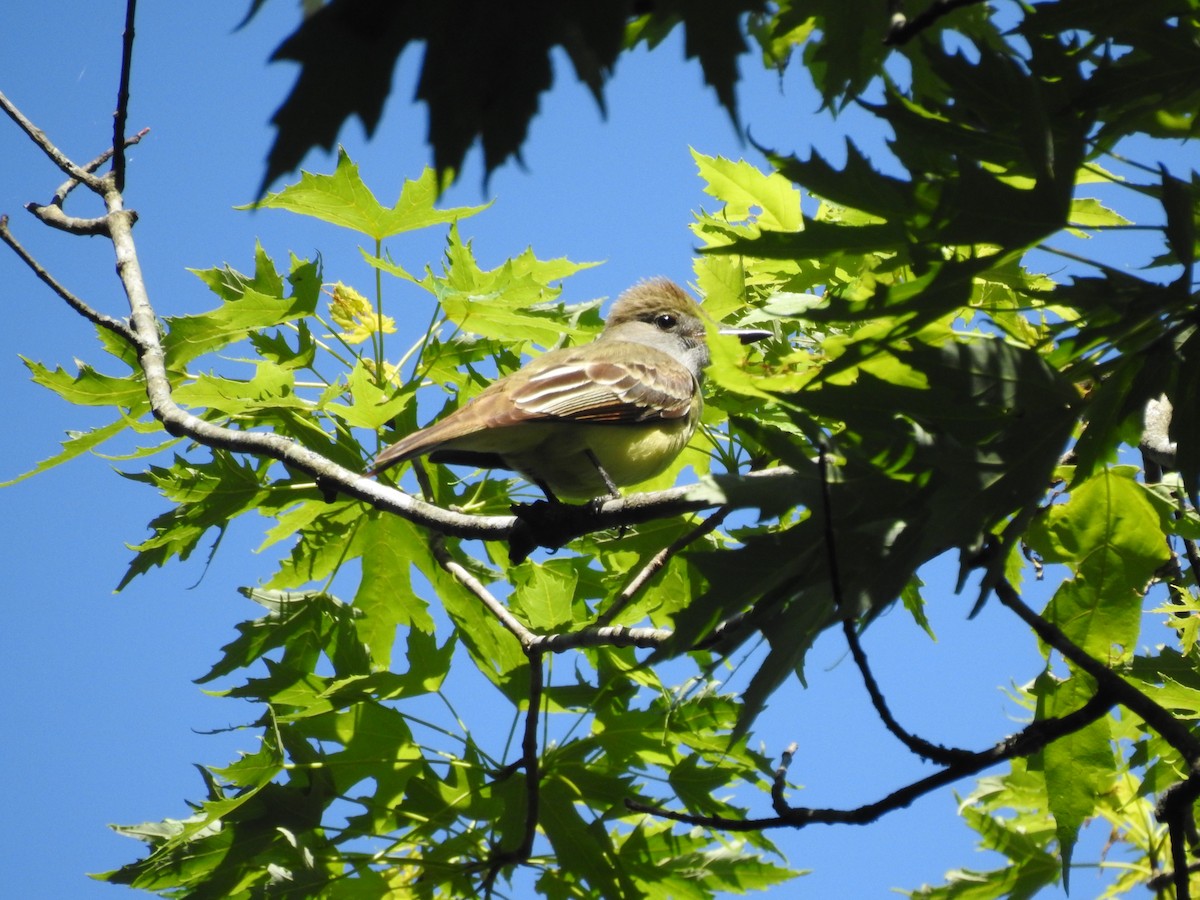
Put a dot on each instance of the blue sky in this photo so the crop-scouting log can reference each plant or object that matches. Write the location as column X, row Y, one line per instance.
column 102, row 721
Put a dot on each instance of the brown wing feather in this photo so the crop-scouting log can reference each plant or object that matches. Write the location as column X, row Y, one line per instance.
column 590, row 389
column 572, row 385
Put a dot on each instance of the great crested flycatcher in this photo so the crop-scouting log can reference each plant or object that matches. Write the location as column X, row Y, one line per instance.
column 581, row 421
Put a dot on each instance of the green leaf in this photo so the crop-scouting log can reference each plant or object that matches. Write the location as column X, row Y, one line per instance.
column 508, row 303
column 857, row 185
column 343, row 199
column 240, row 316
column 1079, row 767
column 385, row 593
column 970, row 417
column 1030, row 869
column 89, row 388
column 544, row 594
column 1088, row 212
column 326, row 532
column 1111, row 532
column 272, row 388
column 747, row 192
column 77, row 443
column 302, row 623
column 208, row 495
column 584, row 849
column 1180, row 203
column 229, row 284
column 371, row 406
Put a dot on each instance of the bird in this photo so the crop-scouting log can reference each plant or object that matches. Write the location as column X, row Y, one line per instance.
column 581, row 422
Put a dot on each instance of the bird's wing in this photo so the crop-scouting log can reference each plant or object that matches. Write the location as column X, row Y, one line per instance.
column 570, row 385
column 588, row 387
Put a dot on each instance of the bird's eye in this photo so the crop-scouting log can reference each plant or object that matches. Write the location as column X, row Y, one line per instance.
column 665, row 321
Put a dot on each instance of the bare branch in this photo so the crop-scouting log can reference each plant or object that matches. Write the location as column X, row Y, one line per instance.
column 59, row 158
column 1028, row 741
column 1156, row 440
column 1175, row 810
column 54, row 216
column 902, row 29
column 658, row 560
column 921, row 747
column 530, row 762
column 122, row 113
column 502, row 613
column 1174, row 732
column 780, row 781
column 60, row 196
column 97, row 318
column 602, row 636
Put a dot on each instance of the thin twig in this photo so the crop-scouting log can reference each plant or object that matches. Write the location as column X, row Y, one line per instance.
column 918, row 745
column 95, row 317
column 1175, row 810
column 122, row 113
column 779, row 783
column 463, row 576
column 658, row 561
column 1164, row 880
column 831, row 556
column 902, row 29
column 1169, row 728
column 59, row 158
column 602, row 636
column 60, row 196
column 530, row 762
column 1028, row 741
column 53, row 216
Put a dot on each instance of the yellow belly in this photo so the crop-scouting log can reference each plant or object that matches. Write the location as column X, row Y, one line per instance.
column 556, row 454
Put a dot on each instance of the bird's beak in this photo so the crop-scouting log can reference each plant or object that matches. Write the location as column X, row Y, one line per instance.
column 747, row 335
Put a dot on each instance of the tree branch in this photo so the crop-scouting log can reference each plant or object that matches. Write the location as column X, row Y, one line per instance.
column 53, row 216
column 779, row 783
column 60, row 196
column 95, row 317
column 1026, row 742
column 602, row 636
column 902, row 29
column 1156, row 440
column 502, row 613
column 530, row 762
column 657, row 561
column 56, row 156
column 1175, row 810
column 554, row 525
column 1171, row 729
column 122, row 113
column 917, row 745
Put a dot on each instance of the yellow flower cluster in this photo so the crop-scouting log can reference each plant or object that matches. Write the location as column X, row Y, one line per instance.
column 354, row 314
